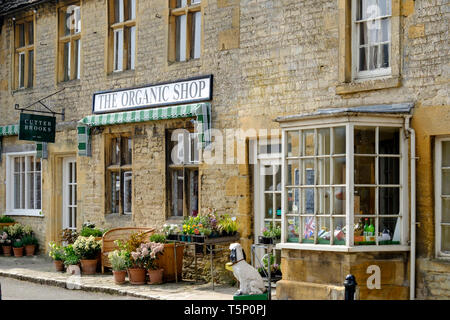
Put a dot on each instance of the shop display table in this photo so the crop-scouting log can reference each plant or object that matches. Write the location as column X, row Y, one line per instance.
column 207, row 243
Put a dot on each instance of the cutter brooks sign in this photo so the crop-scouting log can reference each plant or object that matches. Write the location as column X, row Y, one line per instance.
column 164, row 94
column 37, row 128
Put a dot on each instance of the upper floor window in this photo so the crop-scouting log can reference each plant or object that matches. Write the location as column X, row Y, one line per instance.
column 442, row 196
column 185, row 30
column 371, row 32
column 24, row 53
column 122, row 35
column 69, row 30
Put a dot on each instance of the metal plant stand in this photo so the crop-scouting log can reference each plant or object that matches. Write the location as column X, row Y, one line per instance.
column 268, row 248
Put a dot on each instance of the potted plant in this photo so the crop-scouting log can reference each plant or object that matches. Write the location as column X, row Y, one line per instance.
column 15, row 231
column 56, row 252
column 171, row 231
column 135, row 270
column 267, row 236
column 227, row 225
column 68, row 236
column 6, row 244
column 87, row 248
column 30, row 242
column 120, row 261
column 71, row 260
column 6, row 221
column 145, row 257
column 18, row 248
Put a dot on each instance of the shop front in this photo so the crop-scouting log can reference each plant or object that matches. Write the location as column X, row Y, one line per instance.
column 345, row 202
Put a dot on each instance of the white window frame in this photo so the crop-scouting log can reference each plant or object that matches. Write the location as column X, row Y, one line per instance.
column 350, row 123
column 438, row 195
column 10, row 187
column 367, row 74
column 65, row 192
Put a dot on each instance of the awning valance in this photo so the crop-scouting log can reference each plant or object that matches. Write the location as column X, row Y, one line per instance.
column 201, row 111
column 9, row 130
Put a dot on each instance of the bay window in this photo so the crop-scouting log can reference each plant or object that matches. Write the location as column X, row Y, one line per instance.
column 345, row 183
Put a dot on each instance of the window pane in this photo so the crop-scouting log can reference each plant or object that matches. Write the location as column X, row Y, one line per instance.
column 196, row 34
column 77, row 18
column 21, row 35
column 307, row 196
column 277, row 169
column 77, row 58
column 446, row 182
column 323, row 230
column 339, row 231
column 308, row 172
column 364, row 170
column 115, row 192
column 385, row 7
column 115, row 151
column 118, row 11
column 127, row 191
column 293, row 173
column 278, row 205
column 268, row 178
column 390, row 229
column 131, row 9
column 126, row 151
column 339, row 201
column 177, row 193
column 268, row 205
column 17, row 191
column 362, row 33
column 389, row 141
column 339, row 170
column 339, row 140
column 385, row 30
column 364, row 200
column 292, row 229
column 389, row 170
column 445, row 241
column 389, row 201
column 364, row 140
column 181, row 37
column 30, row 182
column 308, row 143
column 362, row 59
column 118, row 50
column 30, row 68
column 323, row 141
column 67, row 21
column 445, row 210
column 323, row 171
column 181, row 3
column 193, row 192
column 30, row 30
column 292, row 144
column 373, row 58
column 131, row 47
column 446, row 153
column 308, row 228
column 21, row 70
column 323, row 197
column 66, row 61
column 293, row 198
column 38, row 190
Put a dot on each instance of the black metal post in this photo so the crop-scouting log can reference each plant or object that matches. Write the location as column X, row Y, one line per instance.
column 0, row 291
column 350, row 287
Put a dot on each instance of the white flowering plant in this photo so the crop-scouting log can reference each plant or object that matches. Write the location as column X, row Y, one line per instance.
column 4, row 239
column 120, row 260
column 145, row 255
column 87, row 247
column 56, row 251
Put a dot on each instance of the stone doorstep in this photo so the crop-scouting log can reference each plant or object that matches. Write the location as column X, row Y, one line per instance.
column 143, row 292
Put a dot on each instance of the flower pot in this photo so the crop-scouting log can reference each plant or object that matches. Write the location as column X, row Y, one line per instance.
column 7, row 251
column 88, row 266
column 18, row 252
column 59, row 265
column 155, row 276
column 265, row 240
column 119, row 276
column 136, row 275
column 29, row 249
column 73, row 269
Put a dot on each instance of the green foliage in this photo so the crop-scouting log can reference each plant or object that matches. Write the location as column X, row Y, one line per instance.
column 15, row 231
column 70, row 257
column 227, row 224
column 158, row 237
column 17, row 244
column 120, row 260
column 87, row 232
column 134, row 242
column 56, row 251
column 27, row 230
column 6, row 219
column 29, row 240
column 271, row 231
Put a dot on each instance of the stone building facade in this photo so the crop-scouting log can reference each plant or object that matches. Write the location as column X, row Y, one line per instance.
column 269, row 59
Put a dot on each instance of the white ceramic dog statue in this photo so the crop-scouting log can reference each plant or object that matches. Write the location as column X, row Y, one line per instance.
column 249, row 278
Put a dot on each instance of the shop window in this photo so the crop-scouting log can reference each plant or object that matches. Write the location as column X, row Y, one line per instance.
column 119, row 174
column 182, row 173
column 371, row 25
column 442, row 196
column 69, row 44
column 24, row 53
column 185, row 30
column 23, row 184
column 318, row 190
column 122, row 35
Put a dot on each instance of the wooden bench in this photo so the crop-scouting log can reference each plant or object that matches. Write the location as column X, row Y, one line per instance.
column 112, row 235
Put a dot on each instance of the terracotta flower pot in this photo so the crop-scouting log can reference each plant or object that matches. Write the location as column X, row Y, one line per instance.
column 7, row 251
column 29, row 249
column 119, row 276
column 59, row 265
column 88, row 266
column 136, row 275
column 155, row 276
column 18, row 252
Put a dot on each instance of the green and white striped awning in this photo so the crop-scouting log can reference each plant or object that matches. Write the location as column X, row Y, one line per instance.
column 201, row 111
column 9, row 130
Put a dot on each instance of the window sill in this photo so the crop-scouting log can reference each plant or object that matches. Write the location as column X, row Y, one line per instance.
column 192, row 63
column 336, row 248
column 368, row 85
column 22, row 90
column 122, row 74
column 25, row 213
column 70, row 83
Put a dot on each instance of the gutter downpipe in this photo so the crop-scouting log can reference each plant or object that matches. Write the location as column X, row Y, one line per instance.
column 412, row 270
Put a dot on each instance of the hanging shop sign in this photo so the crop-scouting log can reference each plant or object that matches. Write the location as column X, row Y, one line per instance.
column 34, row 127
column 163, row 94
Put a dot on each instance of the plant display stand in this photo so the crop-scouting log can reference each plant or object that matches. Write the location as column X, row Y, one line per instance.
column 208, row 243
column 268, row 248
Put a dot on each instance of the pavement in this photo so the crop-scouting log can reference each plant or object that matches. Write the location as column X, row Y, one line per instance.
column 40, row 269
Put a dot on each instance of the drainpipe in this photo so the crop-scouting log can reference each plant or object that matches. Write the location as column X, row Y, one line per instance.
column 412, row 282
